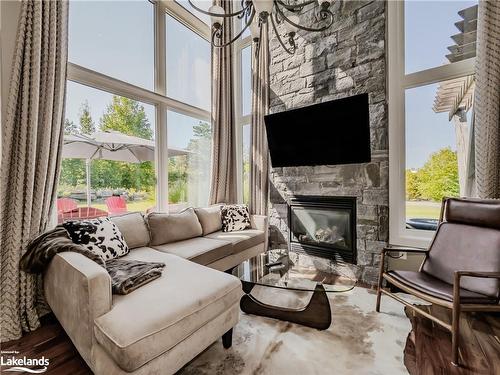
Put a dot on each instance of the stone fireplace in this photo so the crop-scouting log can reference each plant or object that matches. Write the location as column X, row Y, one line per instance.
column 323, row 226
column 345, row 60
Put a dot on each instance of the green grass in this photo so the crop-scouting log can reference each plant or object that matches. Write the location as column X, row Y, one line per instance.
column 427, row 210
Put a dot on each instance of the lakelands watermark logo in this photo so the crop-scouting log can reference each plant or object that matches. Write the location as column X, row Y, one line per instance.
column 13, row 363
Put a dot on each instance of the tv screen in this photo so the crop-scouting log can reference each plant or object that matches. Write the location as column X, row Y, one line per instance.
column 335, row 132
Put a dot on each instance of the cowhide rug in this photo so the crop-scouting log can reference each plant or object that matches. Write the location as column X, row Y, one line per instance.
column 359, row 341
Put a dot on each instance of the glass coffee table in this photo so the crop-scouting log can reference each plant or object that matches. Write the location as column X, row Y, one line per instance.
column 282, row 275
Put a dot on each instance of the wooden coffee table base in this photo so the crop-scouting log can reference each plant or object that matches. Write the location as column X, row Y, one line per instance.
column 316, row 314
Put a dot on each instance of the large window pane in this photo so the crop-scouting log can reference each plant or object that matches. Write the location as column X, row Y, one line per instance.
column 115, row 38
column 119, row 180
column 202, row 4
column 188, row 65
column 246, row 162
column 246, row 80
column 189, row 143
column 436, row 151
column 439, row 32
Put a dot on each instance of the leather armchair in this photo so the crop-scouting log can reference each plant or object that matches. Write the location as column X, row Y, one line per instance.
column 461, row 268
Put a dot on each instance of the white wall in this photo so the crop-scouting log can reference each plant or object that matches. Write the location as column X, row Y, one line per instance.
column 9, row 14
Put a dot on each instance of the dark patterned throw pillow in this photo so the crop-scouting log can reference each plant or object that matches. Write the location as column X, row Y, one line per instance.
column 101, row 236
column 235, row 217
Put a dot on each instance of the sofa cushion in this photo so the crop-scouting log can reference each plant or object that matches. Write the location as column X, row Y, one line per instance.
column 241, row 239
column 166, row 228
column 200, row 249
column 133, row 228
column 210, row 218
column 154, row 318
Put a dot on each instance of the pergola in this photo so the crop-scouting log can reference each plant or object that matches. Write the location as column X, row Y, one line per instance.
column 456, row 96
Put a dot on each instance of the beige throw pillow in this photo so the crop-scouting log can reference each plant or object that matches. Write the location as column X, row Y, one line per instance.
column 166, row 228
column 134, row 229
column 210, row 218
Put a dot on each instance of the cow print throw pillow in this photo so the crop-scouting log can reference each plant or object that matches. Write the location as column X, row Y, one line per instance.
column 101, row 236
column 235, row 217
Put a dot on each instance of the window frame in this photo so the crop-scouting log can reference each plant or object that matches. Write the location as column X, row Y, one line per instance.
column 397, row 82
column 158, row 97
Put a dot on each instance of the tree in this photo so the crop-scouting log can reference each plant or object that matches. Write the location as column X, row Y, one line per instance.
column 87, row 125
column 439, row 176
column 412, row 185
column 70, row 127
column 128, row 117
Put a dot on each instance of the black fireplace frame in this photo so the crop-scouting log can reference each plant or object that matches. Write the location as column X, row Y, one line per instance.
column 333, row 202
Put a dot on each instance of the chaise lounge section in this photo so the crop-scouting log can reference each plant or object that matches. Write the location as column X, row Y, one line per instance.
column 162, row 325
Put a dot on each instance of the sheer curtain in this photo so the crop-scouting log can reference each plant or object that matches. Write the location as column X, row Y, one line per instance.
column 259, row 156
column 32, row 132
column 223, row 181
column 487, row 101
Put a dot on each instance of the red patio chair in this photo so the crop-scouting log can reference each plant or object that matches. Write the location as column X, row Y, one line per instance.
column 66, row 205
column 116, row 205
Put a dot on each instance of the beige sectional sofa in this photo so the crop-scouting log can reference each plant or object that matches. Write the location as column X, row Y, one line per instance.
column 161, row 326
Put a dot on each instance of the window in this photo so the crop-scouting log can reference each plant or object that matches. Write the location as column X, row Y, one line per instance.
column 190, row 150
column 89, row 111
column 120, row 86
column 431, row 66
column 114, row 38
column 246, row 81
column 188, row 65
column 429, row 28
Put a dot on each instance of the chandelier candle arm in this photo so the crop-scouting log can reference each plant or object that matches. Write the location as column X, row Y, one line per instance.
column 216, row 34
column 257, row 12
column 225, row 15
column 290, row 51
column 295, row 7
column 325, row 13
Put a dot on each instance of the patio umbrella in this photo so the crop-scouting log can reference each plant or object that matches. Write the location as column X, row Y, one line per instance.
column 111, row 145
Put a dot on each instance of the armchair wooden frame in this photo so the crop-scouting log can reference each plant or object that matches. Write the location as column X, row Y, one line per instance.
column 455, row 306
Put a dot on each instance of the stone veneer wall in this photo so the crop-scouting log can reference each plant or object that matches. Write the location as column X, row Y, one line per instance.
column 345, row 60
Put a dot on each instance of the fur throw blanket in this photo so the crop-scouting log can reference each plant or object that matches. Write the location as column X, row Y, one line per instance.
column 126, row 275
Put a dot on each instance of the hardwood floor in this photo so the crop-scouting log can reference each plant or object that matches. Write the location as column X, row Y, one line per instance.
column 428, row 347
column 52, row 342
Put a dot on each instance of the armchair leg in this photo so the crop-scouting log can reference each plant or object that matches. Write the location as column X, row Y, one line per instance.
column 455, row 335
column 380, row 280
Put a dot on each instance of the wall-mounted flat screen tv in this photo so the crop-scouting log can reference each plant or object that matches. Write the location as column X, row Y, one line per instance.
column 334, row 132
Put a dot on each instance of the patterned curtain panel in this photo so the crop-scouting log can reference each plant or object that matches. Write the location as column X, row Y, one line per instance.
column 487, row 101
column 223, row 185
column 259, row 158
column 31, row 150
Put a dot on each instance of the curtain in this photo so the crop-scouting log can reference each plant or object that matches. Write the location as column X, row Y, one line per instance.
column 223, row 181
column 487, row 101
column 259, row 157
column 31, row 150
column 470, row 171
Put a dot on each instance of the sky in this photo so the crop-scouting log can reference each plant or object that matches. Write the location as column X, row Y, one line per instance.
column 118, row 41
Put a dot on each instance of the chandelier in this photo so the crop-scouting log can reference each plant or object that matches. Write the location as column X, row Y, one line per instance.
column 256, row 13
